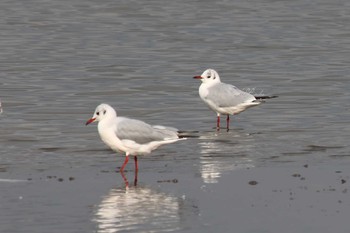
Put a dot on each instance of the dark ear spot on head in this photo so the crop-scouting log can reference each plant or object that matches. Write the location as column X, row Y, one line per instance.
column 104, row 112
column 214, row 77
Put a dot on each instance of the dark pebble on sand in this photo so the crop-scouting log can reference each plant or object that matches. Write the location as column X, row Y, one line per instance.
column 168, row 181
column 71, row 178
column 343, row 181
column 60, row 179
column 253, row 182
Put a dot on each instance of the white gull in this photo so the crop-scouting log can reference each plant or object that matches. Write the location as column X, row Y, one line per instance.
column 134, row 137
column 225, row 98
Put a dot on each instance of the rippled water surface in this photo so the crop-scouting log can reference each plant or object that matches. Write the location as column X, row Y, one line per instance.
column 283, row 166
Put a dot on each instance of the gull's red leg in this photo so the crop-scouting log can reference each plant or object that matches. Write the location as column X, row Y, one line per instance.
column 228, row 122
column 124, row 164
column 125, row 179
column 136, row 170
column 136, row 165
column 218, row 123
column 135, row 179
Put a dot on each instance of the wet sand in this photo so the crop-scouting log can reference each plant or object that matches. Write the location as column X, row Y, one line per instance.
column 288, row 197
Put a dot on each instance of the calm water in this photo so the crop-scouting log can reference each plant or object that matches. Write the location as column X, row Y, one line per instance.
column 282, row 168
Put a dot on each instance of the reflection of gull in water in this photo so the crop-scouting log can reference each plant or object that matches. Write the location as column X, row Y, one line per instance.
column 136, row 208
column 221, row 153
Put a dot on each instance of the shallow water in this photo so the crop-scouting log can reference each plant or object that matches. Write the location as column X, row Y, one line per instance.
column 283, row 166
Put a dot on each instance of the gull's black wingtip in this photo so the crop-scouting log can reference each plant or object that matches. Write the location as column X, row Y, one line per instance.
column 264, row 97
column 188, row 134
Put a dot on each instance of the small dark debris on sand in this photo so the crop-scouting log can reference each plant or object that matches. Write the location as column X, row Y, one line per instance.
column 343, row 181
column 296, row 175
column 253, row 182
column 71, row 178
column 168, row 181
column 104, row 171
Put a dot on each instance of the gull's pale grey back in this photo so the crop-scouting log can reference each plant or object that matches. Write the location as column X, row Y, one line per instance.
column 141, row 132
column 225, row 95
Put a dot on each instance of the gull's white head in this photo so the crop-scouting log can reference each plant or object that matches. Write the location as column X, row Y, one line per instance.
column 209, row 76
column 102, row 112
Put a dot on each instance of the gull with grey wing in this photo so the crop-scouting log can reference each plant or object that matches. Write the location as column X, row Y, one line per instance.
column 134, row 137
column 225, row 98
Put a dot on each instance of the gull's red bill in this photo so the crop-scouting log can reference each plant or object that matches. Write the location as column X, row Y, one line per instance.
column 90, row 121
column 198, row 77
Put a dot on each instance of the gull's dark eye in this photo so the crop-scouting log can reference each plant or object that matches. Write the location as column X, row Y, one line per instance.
column 208, row 76
column 97, row 113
